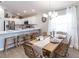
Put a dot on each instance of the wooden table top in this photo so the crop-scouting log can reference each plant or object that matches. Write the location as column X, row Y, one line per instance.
column 49, row 47
column 33, row 41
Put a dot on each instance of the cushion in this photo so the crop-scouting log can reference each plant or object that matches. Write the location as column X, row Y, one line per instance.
column 55, row 40
column 60, row 36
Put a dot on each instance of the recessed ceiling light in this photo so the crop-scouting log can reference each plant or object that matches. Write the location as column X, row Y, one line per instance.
column 33, row 10
column 24, row 11
column 18, row 13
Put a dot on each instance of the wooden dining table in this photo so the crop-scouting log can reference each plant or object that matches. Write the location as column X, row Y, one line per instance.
column 47, row 49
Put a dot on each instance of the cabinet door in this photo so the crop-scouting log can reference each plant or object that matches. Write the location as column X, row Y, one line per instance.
column 1, row 24
column 1, row 19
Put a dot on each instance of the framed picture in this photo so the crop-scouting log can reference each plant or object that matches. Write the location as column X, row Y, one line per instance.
column 44, row 19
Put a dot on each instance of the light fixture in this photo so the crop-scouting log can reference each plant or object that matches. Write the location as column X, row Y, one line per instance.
column 50, row 13
column 33, row 10
column 55, row 14
column 45, row 15
column 18, row 13
column 24, row 11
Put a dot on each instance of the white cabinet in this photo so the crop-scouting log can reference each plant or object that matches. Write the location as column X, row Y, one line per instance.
column 1, row 19
column 1, row 26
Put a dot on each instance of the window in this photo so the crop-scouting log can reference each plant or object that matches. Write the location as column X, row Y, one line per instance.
column 60, row 23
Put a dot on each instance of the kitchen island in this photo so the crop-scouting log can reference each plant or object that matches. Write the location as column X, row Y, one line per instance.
column 12, row 33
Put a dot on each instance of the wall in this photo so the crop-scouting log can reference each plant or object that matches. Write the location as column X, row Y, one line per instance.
column 37, row 20
column 78, row 22
column 1, row 19
column 42, row 25
column 1, row 24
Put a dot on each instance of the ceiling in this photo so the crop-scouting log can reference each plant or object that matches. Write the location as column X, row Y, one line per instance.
column 35, row 7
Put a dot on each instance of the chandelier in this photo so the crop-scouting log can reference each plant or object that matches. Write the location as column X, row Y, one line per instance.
column 50, row 14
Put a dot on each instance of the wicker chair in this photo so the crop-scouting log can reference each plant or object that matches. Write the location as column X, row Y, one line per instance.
column 62, row 49
column 60, row 35
column 34, row 35
column 29, row 50
column 44, row 34
column 59, row 32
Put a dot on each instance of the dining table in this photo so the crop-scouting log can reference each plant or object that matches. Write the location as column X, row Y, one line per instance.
column 47, row 45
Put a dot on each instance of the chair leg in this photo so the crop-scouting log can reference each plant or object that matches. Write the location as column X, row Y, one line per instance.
column 18, row 41
column 15, row 42
column 55, row 55
column 67, row 54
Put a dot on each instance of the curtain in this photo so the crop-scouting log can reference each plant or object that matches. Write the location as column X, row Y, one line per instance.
column 66, row 23
column 71, row 14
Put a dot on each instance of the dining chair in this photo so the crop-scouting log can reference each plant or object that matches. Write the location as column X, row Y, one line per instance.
column 44, row 34
column 29, row 50
column 52, row 34
column 60, row 35
column 34, row 35
column 20, row 39
column 30, row 37
column 27, row 37
column 62, row 49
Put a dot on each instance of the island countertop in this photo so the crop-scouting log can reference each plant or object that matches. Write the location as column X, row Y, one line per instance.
column 17, row 31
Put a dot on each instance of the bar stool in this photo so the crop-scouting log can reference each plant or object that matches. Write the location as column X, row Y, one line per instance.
column 45, row 34
column 19, row 39
column 6, row 42
column 26, row 37
column 34, row 35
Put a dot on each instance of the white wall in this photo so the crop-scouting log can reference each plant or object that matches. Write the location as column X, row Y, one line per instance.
column 1, row 24
column 78, row 23
column 1, row 19
column 38, row 20
column 42, row 25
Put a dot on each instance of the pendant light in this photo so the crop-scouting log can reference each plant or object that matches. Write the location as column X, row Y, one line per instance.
column 45, row 15
column 51, row 14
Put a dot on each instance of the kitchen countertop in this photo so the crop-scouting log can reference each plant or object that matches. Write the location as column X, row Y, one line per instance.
column 16, row 31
